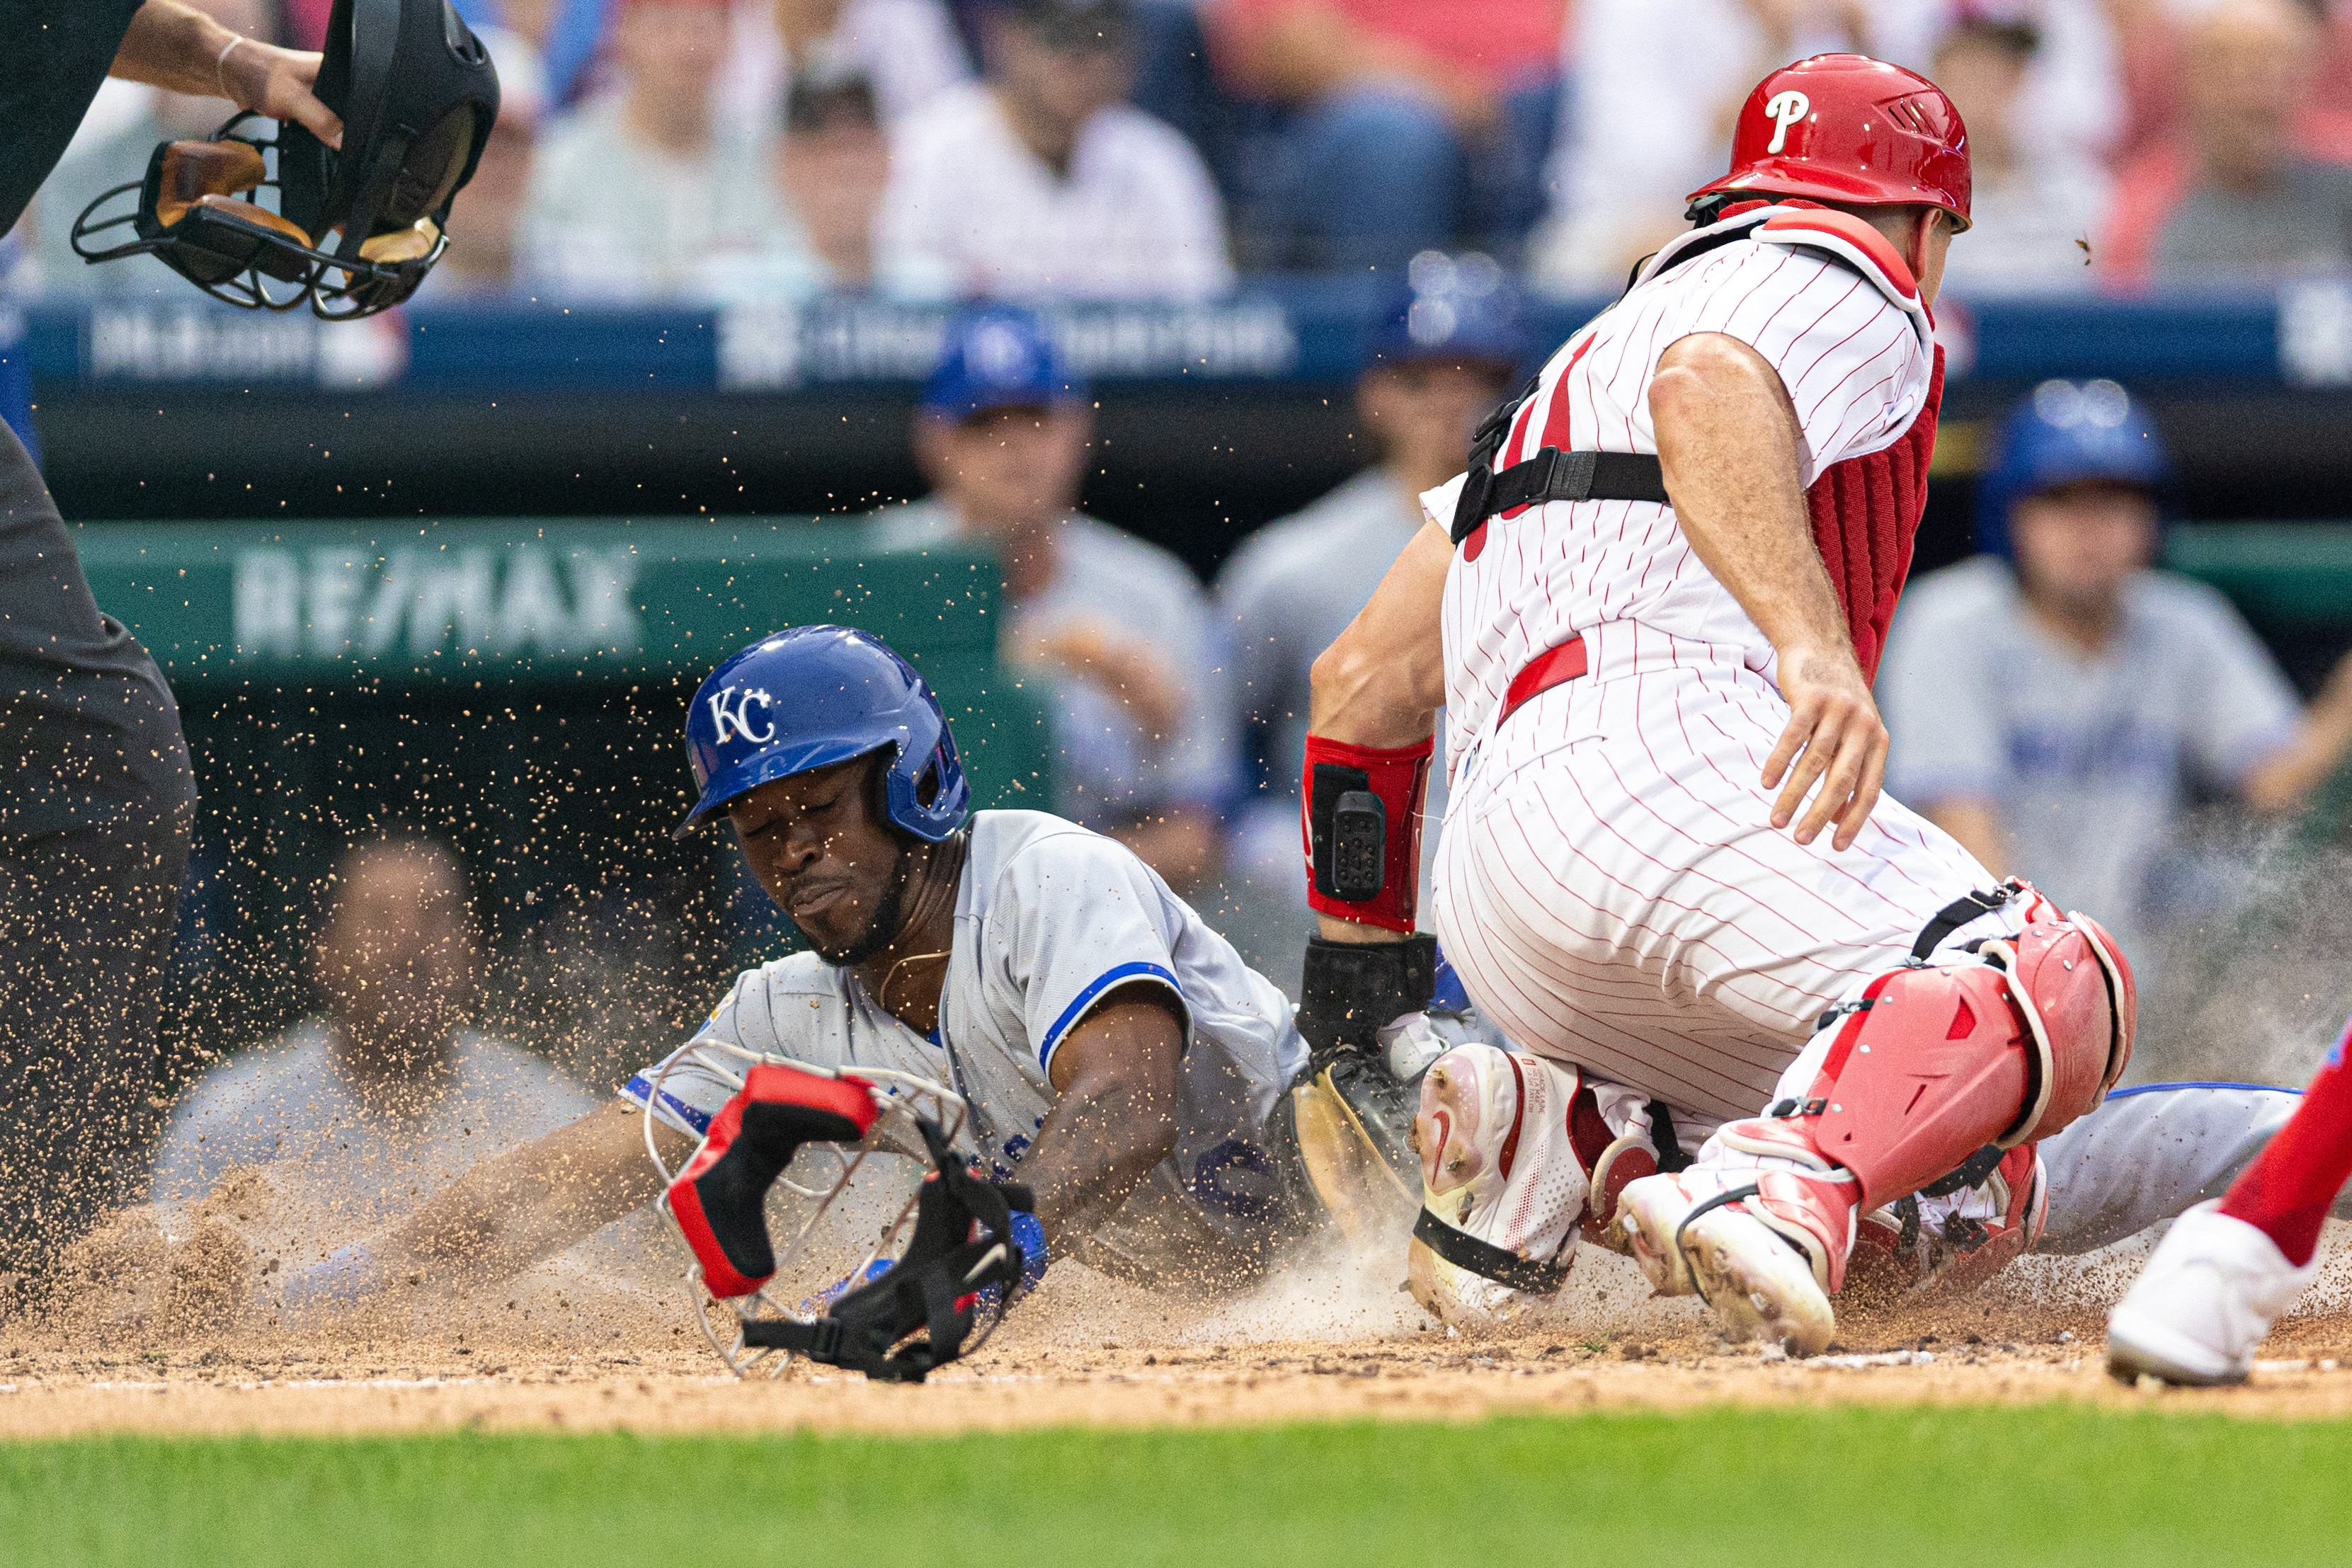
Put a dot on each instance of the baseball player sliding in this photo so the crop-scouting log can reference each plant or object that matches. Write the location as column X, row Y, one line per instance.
column 1650, row 611
column 1114, row 1052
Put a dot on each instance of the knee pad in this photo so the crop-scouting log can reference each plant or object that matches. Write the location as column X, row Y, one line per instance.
column 2005, row 1046
column 2079, row 997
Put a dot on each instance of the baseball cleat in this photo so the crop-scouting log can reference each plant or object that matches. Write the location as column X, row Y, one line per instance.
column 1758, row 1282
column 2206, row 1300
column 1649, row 1213
column 1456, row 1296
column 1504, row 1190
column 1761, row 1259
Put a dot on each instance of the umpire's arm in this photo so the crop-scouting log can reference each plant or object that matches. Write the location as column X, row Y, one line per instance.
column 181, row 49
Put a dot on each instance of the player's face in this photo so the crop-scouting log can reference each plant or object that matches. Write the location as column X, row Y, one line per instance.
column 1010, row 468
column 2079, row 544
column 828, row 859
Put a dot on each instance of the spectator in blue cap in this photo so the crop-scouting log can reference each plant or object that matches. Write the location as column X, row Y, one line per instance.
column 2057, row 704
column 1446, row 352
column 1119, row 629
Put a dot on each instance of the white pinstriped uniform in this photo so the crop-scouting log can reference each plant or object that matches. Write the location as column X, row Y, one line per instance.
column 1609, row 884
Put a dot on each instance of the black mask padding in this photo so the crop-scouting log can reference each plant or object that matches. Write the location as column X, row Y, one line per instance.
column 417, row 95
column 733, row 1192
column 191, row 191
column 927, row 1291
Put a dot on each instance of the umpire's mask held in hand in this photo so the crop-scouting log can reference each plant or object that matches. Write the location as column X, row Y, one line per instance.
column 354, row 232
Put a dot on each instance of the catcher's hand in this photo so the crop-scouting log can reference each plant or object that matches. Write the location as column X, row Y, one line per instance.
column 1834, row 738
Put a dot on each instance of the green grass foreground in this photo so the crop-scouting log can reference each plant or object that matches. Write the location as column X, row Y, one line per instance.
column 1902, row 1487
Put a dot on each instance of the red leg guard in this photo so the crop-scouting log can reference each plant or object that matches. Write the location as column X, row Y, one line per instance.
column 1937, row 1062
column 1921, row 1245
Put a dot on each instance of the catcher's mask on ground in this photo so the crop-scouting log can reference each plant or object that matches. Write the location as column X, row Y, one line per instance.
column 354, row 232
column 938, row 1277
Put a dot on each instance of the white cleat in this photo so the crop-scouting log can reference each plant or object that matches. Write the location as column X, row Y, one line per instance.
column 1759, row 1285
column 1503, row 1190
column 1648, row 1214
column 2206, row 1300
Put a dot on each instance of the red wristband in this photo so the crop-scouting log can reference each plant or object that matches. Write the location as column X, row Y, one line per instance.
column 1399, row 780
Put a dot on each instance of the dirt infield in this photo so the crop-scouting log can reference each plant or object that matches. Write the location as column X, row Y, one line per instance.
column 563, row 1352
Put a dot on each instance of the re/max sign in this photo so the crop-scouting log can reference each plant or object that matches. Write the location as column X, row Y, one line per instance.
column 422, row 605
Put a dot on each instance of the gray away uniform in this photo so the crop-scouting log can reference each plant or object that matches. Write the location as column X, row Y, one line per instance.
column 1050, row 918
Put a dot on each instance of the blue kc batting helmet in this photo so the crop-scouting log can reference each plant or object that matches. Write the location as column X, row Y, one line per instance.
column 815, row 695
column 2064, row 434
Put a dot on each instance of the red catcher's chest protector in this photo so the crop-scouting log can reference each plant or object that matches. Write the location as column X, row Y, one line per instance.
column 1865, row 513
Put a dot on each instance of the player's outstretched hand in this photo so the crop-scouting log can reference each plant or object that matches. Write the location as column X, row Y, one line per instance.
column 1835, row 739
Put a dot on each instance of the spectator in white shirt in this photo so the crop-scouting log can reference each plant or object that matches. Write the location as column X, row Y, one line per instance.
column 1045, row 184
column 1114, row 630
column 833, row 162
column 831, row 166
column 387, row 1092
column 640, row 195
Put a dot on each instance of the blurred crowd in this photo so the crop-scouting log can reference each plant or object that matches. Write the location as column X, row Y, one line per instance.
column 724, row 151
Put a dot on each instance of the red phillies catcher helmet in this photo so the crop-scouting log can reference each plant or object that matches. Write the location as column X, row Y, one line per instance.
column 1847, row 128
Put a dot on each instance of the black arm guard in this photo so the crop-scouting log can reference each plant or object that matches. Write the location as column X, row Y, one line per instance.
column 1348, row 990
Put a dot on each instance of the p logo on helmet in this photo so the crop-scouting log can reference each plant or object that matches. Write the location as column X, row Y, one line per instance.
column 1848, row 130
column 1787, row 108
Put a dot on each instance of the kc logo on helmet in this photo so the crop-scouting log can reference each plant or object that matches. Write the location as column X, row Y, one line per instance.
column 730, row 710
column 1786, row 108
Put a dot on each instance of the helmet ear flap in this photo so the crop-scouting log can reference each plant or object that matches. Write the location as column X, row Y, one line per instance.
column 881, row 766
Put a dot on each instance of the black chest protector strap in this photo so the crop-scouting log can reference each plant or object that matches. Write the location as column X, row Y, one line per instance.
column 1550, row 475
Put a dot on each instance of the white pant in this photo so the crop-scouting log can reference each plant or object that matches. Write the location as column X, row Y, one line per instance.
column 1612, row 893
